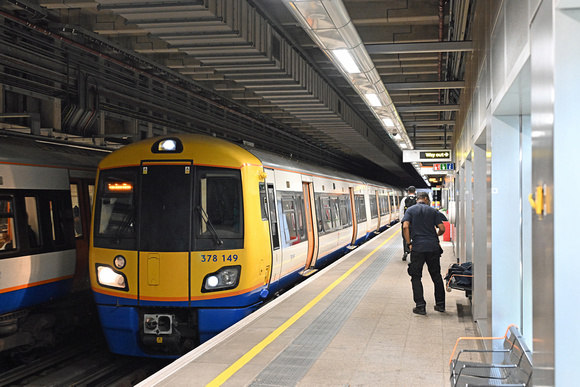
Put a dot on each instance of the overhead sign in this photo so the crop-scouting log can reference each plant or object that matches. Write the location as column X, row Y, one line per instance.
column 411, row 156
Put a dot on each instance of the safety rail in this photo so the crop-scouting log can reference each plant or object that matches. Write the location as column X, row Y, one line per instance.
column 510, row 366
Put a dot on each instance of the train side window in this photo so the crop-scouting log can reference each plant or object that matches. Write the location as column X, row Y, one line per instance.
column 7, row 230
column 301, row 216
column 373, row 204
column 335, row 212
column 32, row 223
column 384, row 205
column 326, row 214
column 345, row 213
column 57, row 219
column 290, row 222
column 74, row 196
column 273, row 217
column 263, row 201
column 319, row 221
column 360, row 208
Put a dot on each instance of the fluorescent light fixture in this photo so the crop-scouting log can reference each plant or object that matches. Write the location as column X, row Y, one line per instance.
column 346, row 61
column 389, row 123
column 331, row 28
column 373, row 99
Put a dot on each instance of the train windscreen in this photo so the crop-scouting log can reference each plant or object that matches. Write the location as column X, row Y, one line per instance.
column 169, row 207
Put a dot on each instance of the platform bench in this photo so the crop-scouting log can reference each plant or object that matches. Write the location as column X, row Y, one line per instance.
column 510, row 366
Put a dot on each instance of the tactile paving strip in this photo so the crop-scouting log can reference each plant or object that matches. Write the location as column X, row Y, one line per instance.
column 290, row 366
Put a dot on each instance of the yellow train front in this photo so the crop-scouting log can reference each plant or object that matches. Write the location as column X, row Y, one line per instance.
column 178, row 245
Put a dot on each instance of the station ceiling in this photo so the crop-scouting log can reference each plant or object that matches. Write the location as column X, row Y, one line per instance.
column 257, row 61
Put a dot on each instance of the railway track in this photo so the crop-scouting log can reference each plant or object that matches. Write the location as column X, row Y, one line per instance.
column 82, row 364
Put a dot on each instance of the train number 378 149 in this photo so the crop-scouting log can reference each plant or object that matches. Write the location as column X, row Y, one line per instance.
column 216, row 258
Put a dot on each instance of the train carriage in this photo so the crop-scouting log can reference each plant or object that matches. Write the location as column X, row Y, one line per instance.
column 45, row 189
column 192, row 233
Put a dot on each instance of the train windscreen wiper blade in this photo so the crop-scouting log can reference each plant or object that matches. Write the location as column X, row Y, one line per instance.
column 208, row 222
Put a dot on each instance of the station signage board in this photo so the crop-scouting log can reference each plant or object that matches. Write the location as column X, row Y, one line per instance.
column 414, row 155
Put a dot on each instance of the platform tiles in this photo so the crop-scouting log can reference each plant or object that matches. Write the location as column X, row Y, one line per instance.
column 349, row 325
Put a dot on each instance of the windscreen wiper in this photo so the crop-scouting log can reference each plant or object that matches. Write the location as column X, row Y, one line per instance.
column 208, row 222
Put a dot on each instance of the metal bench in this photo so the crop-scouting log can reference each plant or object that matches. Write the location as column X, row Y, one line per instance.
column 510, row 366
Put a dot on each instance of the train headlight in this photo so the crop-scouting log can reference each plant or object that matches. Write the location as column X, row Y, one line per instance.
column 110, row 278
column 167, row 145
column 120, row 262
column 225, row 278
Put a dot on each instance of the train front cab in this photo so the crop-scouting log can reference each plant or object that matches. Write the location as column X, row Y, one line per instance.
column 178, row 247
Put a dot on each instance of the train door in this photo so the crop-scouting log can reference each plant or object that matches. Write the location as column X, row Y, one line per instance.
column 82, row 193
column 272, row 214
column 354, row 220
column 311, row 228
column 164, row 238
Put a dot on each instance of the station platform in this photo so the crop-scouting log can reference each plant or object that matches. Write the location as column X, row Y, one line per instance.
column 349, row 325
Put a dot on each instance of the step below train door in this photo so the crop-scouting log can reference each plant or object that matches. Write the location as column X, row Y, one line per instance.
column 165, row 232
column 311, row 229
column 268, row 193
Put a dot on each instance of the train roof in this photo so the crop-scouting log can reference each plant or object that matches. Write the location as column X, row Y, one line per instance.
column 202, row 149
column 40, row 151
column 212, row 151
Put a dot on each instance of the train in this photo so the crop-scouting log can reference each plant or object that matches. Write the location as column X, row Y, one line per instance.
column 46, row 189
column 191, row 233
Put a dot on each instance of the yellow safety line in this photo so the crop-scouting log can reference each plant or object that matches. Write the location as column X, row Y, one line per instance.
column 224, row 376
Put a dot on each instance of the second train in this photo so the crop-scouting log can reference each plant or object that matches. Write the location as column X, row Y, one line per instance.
column 192, row 233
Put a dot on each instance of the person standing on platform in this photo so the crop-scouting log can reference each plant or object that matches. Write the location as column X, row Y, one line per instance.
column 407, row 202
column 422, row 226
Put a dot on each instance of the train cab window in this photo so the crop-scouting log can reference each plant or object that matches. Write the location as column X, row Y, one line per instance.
column 218, row 209
column 7, row 230
column 115, row 209
column 360, row 208
column 32, row 223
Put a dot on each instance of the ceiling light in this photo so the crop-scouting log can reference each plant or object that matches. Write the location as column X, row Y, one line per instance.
column 389, row 123
column 373, row 99
column 346, row 61
column 328, row 24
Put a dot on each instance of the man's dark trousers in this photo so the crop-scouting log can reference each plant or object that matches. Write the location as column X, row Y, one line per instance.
column 415, row 270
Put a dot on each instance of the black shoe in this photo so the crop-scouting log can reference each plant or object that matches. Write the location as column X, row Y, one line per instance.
column 439, row 308
column 419, row 310
column 405, row 256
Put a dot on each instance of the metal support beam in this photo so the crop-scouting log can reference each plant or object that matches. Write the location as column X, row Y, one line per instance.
column 428, row 123
column 427, row 108
column 410, row 48
column 425, row 85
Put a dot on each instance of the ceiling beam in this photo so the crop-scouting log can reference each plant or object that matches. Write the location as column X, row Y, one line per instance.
column 425, row 85
column 410, row 48
column 427, row 108
column 428, row 123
